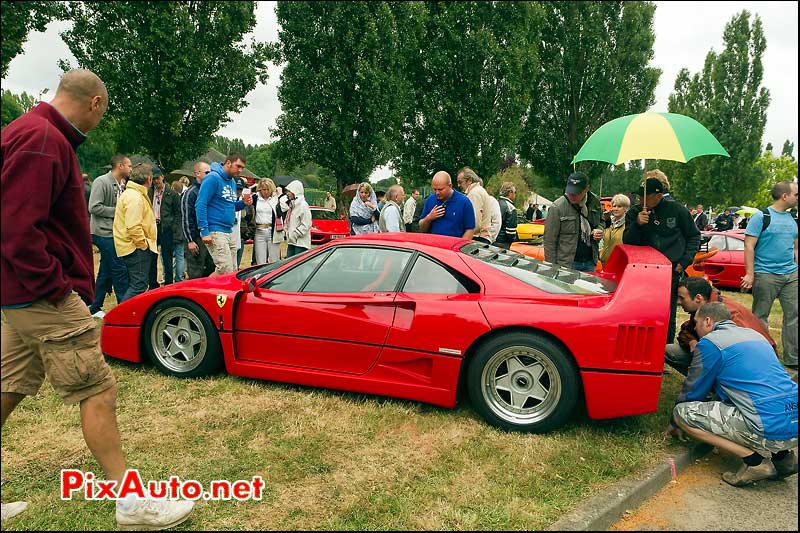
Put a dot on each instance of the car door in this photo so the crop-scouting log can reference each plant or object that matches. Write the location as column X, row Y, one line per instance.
column 437, row 312
column 332, row 312
column 736, row 268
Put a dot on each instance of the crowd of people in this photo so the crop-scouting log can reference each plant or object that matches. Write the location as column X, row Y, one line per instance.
column 49, row 290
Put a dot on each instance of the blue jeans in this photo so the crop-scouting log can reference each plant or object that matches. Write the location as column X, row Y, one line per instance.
column 180, row 260
column 139, row 263
column 584, row 266
column 112, row 272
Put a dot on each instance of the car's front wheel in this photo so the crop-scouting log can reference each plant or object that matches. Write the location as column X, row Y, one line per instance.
column 523, row 382
column 181, row 339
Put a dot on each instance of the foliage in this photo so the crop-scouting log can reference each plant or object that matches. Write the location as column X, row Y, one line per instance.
column 187, row 60
column 727, row 98
column 384, row 184
column 262, row 160
column 516, row 175
column 14, row 105
column 774, row 169
column 343, row 90
column 97, row 150
column 229, row 146
column 621, row 179
column 594, row 67
column 19, row 18
column 471, row 76
column 788, row 149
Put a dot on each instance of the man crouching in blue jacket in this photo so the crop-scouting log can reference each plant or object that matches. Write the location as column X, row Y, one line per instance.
column 757, row 414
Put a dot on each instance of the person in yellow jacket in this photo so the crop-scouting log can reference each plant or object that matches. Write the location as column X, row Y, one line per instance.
column 612, row 235
column 135, row 233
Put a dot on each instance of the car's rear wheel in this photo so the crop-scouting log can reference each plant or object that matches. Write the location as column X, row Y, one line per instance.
column 523, row 382
column 181, row 339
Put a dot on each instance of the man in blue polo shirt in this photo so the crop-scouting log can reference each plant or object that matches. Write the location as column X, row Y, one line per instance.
column 447, row 211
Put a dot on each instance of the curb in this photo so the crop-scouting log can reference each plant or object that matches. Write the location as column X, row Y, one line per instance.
column 602, row 511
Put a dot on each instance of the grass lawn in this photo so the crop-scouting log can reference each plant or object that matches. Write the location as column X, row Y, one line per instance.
column 330, row 460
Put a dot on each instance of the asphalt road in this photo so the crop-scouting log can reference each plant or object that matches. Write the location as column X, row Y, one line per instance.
column 700, row 501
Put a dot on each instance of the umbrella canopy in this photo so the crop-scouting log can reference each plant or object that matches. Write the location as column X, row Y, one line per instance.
column 746, row 211
column 649, row 136
column 734, row 208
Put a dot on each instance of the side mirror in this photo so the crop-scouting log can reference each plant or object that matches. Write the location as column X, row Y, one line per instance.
column 249, row 285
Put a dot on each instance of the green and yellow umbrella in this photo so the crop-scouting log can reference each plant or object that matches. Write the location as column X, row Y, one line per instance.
column 649, row 136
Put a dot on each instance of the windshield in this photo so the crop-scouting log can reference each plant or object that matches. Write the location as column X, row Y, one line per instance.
column 323, row 214
column 260, row 270
column 540, row 274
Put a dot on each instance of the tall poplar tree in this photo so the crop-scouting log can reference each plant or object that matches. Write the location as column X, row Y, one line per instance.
column 728, row 99
column 472, row 75
column 595, row 59
column 343, row 88
column 174, row 70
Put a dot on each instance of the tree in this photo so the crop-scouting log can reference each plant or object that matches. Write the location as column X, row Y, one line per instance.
column 774, row 169
column 19, row 18
column 788, row 149
column 343, row 88
column 263, row 160
column 229, row 146
column 94, row 155
column 727, row 98
column 174, row 70
column 471, row 75
column 594, row 60
column 516, row 175
column 15, row 105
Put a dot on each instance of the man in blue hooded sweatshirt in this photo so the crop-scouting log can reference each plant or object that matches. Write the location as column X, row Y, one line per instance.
column 216, row 211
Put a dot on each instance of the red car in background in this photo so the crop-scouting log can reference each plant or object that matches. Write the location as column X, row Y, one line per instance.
column 326, row 225
column 726, row 267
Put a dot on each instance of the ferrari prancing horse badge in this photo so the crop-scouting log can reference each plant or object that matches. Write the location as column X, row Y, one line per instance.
column 221, row 299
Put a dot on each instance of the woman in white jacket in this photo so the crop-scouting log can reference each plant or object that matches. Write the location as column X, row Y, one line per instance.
column 298, row 220
column 268, row 222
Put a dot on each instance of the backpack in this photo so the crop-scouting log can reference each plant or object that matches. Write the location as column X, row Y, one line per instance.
column 766, row 220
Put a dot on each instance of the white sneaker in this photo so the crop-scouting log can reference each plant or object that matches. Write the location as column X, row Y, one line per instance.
column 99, row 314
column 154, row 515
column 10, row 510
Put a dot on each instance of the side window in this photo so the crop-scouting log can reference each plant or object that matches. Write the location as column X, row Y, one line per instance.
column 718, row 242
column 430, row 277
column 367, row 269
column 292, row 280
column 735, row 244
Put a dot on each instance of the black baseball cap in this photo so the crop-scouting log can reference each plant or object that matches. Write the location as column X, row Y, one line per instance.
column 576, row 183
column 240, row 184
column 651, row 186
column 157, row 172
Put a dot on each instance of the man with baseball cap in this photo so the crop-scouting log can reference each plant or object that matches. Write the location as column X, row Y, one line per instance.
column 574, row 226
column 667, row 226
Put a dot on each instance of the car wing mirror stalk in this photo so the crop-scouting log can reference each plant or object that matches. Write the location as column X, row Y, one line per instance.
column 249, row 285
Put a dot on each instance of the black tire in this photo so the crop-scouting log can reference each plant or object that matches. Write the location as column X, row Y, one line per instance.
column 186, row 327
column 544, row 382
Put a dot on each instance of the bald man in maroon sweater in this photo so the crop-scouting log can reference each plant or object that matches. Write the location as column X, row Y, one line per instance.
column 47, row 271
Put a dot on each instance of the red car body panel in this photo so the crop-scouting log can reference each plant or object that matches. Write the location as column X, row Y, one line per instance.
column 415, row 346
column 726, row 268
column 324, row 230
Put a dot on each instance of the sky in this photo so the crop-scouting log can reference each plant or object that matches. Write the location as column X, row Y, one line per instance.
column 685, row 33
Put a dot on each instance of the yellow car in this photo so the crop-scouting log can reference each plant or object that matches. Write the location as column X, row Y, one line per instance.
column 528, row 231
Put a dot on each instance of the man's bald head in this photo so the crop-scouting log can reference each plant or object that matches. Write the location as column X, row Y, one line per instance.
column 442, row 185
column 82, row 98
column 81, row 84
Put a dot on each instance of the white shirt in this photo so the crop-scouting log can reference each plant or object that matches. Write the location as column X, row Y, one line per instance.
column 408, row 210
column 494, row 227
column 263, row 211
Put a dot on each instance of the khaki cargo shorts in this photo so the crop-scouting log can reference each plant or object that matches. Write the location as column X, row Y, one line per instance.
column 60, row 341
column 728, row 422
